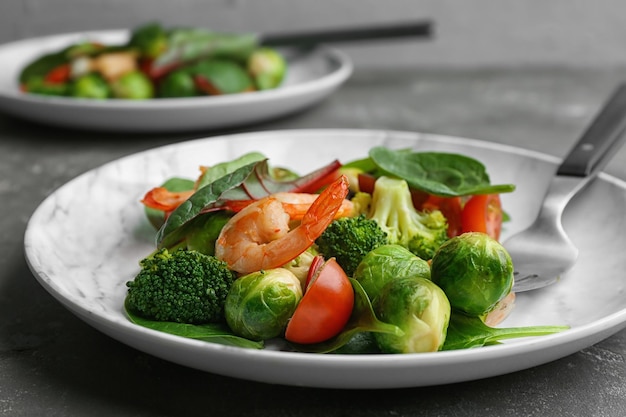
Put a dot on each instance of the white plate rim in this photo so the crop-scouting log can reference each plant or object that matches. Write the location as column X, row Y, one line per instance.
column 322, row 85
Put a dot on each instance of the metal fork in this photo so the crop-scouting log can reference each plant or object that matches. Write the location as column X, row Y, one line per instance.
column 543, row 252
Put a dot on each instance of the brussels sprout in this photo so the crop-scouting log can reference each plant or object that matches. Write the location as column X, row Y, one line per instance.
column 267, row 67
column 178, row 84
column 133, row 85
column 418, row 307
column 90, row 85
column 259, row 305
column 475, row 272
column 386, row 263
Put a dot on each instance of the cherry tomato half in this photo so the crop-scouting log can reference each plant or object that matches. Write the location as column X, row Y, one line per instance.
column 483, row 213
column 325, row 307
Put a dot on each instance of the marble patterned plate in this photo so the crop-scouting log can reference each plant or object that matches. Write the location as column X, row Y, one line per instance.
column 312, row 76
column 84, row 241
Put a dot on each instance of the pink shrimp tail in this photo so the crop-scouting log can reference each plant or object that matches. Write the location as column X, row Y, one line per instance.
column 323, row 210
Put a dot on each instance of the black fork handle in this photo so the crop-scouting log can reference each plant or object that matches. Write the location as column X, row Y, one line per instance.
column 415, row 29
column 600, row 141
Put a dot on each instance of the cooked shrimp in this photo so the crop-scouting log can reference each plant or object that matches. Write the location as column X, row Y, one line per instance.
column 113, row 65
column 258, row 237
column 297, row 204
column 294, row 204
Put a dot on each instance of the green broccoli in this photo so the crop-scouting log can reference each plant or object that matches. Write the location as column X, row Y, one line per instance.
column 183, row 286
column 349, row 239
column 421, row 232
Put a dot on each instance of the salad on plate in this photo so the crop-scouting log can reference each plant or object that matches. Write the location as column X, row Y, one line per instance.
column 157, row 62
column 397, row 252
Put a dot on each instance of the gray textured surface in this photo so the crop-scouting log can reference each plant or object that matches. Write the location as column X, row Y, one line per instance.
column 470, row 33
column 53, row 364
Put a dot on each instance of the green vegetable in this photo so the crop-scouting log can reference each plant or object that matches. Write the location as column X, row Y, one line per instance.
column 418, row 307
column 187, row 46
column 205, row 231
column 442, row 174
column 38, row 85
column 349, row 239
column 466, row 332
column 181, row 286
column 475, row 272
column 91, row 86
column 150, row 39
column 178, row 83
column 386, row 263
column 222, row 169
column 133, row 85
column 259, row 304
column 267, row 67
column 222, row 76
column 209, row 332
column 392, row 208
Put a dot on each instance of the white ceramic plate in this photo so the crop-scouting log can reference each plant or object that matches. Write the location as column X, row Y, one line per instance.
column 84, row 241
column 311, row 77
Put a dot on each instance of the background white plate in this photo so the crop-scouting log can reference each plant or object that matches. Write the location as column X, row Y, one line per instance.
column 84, row 242
column 311, row 77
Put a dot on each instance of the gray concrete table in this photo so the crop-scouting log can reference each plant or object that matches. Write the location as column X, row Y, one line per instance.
column 52, row 364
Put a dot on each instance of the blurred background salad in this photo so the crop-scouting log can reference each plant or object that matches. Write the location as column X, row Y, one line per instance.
column 470, row 33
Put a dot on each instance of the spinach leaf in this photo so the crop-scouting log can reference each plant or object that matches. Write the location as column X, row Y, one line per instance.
column 204, row 198
column 466, row 332
column 217, row 171
column 442, row 174
column 209, row 332
column 188, row 46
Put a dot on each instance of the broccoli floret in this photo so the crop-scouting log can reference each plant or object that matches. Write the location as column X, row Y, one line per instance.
column 183, row 286
column 361, row 202
column 349, row 239
column 421, row 232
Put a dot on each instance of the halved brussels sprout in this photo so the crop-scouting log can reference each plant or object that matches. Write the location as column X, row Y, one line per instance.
column 418, row 307
column 268, row 68
column 90, row 85
column 259, row 305
column 133, row 85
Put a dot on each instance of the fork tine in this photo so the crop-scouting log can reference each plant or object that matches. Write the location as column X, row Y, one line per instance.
column 543, row 252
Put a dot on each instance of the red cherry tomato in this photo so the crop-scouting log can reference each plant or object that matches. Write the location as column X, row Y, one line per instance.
column 58, row 75
column 483, row 213
column 325, row 307
column 366, row 182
